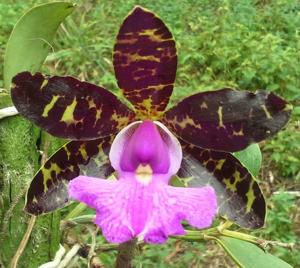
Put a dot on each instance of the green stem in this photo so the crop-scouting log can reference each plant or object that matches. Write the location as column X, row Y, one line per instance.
column 22, row 246
column 205, row 231
column 224, row 225
column 192, row 235
column 242, row 236
column 83, row 219
column 76, row 211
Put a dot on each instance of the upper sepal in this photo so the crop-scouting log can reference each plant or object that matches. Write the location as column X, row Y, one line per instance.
column 69, row 108
column 49, row 188
column 227, row 119
column 145, row 62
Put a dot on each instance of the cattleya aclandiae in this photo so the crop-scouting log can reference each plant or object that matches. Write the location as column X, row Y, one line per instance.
column 145, row 154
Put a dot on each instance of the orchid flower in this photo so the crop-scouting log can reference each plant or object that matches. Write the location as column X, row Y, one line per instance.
column 147, row 146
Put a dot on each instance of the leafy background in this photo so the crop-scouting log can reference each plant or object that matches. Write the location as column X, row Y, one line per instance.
column 243, row 44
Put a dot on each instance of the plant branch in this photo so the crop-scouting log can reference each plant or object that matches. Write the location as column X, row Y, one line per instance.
column 92, row 254
column 15, row 259
column 213, row 233
column 22, row 245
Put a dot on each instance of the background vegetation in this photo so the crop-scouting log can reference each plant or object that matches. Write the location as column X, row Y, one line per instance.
column 243, row 44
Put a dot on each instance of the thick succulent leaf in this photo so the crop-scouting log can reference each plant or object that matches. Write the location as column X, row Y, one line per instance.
column 30, row 40
column 227, row 119
column 145, row 62
column 48, row 189
column 251, row 158
column 66, row 107
column 239, row 196
column 249, row 255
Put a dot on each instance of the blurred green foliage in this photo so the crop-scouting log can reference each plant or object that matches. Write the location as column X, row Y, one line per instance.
column 284, row 149
column 248, row 44
column 282, row 221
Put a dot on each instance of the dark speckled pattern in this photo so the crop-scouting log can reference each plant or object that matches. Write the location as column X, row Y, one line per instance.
column 145, row 62
column 227, row 119
column 239, row 197
column 48, row 189
column 69, row 108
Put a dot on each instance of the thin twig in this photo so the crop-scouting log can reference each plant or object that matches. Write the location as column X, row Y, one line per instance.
column 15, row 259
column 265, row 243
column 21, row 248
column 93, row 245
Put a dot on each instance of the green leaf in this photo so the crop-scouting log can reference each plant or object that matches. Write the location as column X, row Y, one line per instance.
column 5, row 100
column 248, row 255
column 30, row 39
column 251, row 158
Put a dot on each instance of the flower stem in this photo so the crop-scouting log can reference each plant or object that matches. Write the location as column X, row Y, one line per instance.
column 88, row 218
column 242, row 236
column 126, row 254
column 22, row 246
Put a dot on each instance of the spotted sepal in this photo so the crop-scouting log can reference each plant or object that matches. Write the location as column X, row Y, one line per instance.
column 227, row 119
column 145, row 62
column 68, row 108
column 49, row 188
column 239, row 197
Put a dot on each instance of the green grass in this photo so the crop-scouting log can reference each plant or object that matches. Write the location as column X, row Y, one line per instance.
column 244, row 44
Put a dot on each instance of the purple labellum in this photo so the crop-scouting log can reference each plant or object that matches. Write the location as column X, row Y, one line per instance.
column 141, row 204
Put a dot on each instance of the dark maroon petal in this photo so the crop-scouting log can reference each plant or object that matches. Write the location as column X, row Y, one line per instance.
column 145, row 62
column 69, row 108
column 239, row 197
column 227, row 119
column 49, row 188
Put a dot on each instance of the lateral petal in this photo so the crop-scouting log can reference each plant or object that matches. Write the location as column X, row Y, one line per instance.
column 239, row 197
column 48, row 189
column 227, row 119
column 68, row 108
